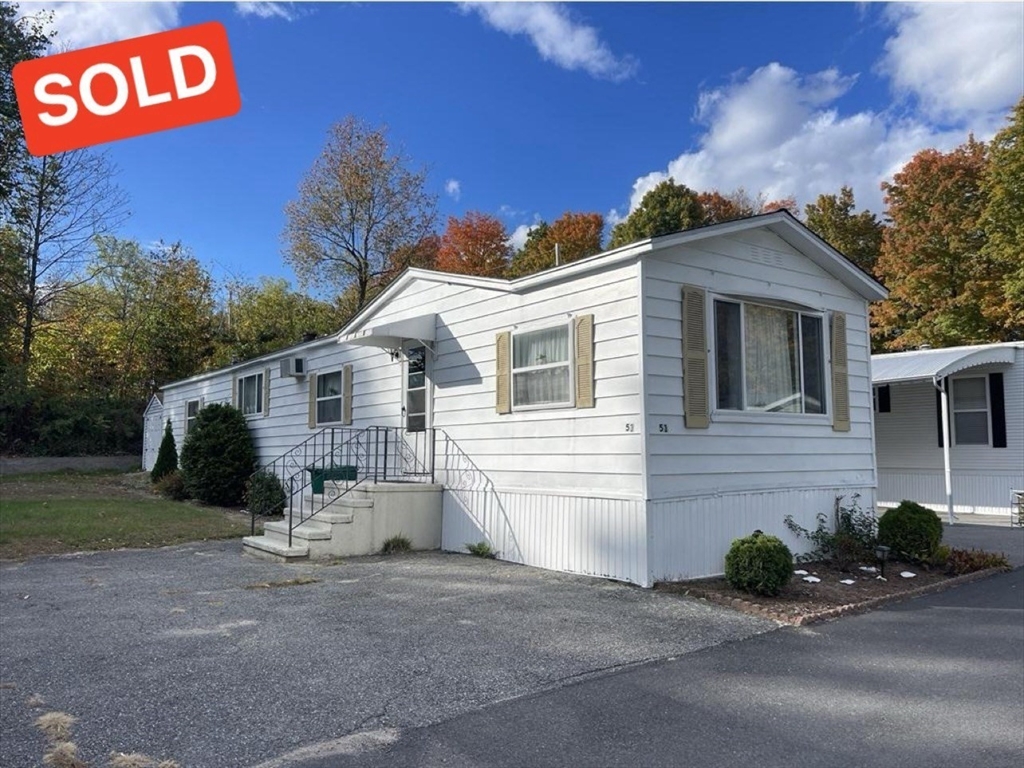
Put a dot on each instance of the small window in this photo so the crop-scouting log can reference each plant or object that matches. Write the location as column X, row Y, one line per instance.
column 970, row 411
column 191, row 414
column 541, row 372
column 768, row 359
column 416, row 390
column 328, row 398
column 250, row 394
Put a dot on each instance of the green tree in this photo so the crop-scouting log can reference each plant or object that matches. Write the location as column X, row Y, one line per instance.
column 20, row 40
column 667, row 208
column 858, row 236
column 1003, row 224
column 359, row 204
column 218, row 457
column 575, row 235
column 930, row 253
column 167, row 457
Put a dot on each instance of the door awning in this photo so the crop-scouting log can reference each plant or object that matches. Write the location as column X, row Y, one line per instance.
column 395, row 334
column 935, row 364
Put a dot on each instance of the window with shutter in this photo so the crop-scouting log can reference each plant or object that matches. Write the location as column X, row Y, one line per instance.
column 695, row 358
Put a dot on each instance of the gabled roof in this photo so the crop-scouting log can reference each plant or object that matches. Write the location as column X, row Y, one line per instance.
column 781, row 223
column 936, row 364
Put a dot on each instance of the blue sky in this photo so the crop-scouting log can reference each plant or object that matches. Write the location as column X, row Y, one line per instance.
column 528, row 110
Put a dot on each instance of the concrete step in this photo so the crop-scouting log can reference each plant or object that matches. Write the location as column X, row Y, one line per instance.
column 310, row 530
column 269, row 549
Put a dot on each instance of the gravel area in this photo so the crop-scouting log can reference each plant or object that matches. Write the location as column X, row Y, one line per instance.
column 168, row 653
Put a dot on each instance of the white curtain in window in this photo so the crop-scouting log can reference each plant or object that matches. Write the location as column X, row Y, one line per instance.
column 550, row 345
column 773, row 381
column 548, row 385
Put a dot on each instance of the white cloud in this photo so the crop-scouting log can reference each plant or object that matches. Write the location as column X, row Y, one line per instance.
column 508, row 212
column 958, row 60
column 557, row 37
column 80, row 25
column 453, row 188
column 518, row 237
column 265, row 10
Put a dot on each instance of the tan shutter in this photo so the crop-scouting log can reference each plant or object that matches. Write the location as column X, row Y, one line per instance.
column 583, row 328
column 695, row 358
column 235, row 399
column 840, row 375
column 266, row 392
column 312, row 401
column 346, row 394
column 503, row 376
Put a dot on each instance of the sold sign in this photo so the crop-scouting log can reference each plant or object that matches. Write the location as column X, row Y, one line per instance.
column 124, row 89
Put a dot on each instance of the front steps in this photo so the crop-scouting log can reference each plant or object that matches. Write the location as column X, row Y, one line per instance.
column 357, row 523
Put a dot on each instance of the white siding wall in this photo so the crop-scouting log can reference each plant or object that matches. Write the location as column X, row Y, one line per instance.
column 910, row 464
column 708, row 487
column 689, row 537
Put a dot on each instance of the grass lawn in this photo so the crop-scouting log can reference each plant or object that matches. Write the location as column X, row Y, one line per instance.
column 68, row 512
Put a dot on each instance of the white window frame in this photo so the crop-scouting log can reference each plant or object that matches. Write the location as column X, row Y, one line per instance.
column 259, row 383
column 953, row 410
column 340, row 397
column 570, row 363
column 751, row 415
column 428, row 392
column 190, row 420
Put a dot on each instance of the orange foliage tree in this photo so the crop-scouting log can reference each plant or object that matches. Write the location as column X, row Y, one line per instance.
column 577, row 236
column 476, row 244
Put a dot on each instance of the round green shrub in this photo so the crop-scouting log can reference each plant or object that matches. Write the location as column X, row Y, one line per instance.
column 910, row 530
column 759, row 564
column 264, row 494
column 172, row 486
column 167, row 457
column 218, row 456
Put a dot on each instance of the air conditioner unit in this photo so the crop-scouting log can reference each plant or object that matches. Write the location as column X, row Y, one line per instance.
column 293, row 366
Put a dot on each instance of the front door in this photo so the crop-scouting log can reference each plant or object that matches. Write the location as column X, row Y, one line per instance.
column 416, row 417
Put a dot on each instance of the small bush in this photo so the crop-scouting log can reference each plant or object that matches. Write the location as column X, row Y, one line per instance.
column 396, row 545
column 939, row 557
column 961, row 561
column 911, row 531
column 172, row 486
column 264, row 494
column 482, row 549
column 759, row 564
column 851, row 537
column 218, row 456
column 167, row 457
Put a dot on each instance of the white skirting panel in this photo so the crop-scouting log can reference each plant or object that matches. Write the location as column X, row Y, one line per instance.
column 973, row 492
column 590, row 536
column 690, row 537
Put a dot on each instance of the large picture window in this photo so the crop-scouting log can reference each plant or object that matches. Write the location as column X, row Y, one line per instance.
column 250, row 394
column 768, row 358
column 328, row 398
column 541, row 371
column 970, row 411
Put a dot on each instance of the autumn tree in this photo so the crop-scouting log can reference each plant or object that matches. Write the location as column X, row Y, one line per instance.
column 667, row 208
column 1003, row 224
column 262, row 317
column 358, row 204
column 575, row 235
column 57, row 208
column 717, row 208
column 419, row 255
column 858, row 236
column 476, row 244
column 930, row 253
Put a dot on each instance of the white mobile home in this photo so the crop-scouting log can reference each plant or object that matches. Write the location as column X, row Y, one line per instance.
column 625, row 416
column 949, row 427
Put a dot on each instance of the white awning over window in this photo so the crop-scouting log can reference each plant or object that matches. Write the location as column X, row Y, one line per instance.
column 936, row 364
column 394, row 334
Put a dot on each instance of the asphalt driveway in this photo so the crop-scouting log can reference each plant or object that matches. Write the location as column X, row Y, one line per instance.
column 168, row 652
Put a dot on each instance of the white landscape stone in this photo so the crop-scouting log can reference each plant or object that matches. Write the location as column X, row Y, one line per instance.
column 847, row 581
column 811, row 579
column 908, row 575
column 800, row 573
column 868, row 568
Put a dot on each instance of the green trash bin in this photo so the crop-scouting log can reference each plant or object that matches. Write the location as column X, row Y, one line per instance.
column 319, row 474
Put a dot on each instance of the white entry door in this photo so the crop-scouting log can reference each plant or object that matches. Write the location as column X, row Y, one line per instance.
column 416, row 416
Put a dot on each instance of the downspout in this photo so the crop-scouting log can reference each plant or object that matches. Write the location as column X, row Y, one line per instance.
column 940, row 384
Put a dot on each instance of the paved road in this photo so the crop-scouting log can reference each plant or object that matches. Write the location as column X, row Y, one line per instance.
column 937, row 681
column 166, row 651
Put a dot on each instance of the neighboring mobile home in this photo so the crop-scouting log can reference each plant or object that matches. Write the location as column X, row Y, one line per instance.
column 627, row 415
column 972, row 460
